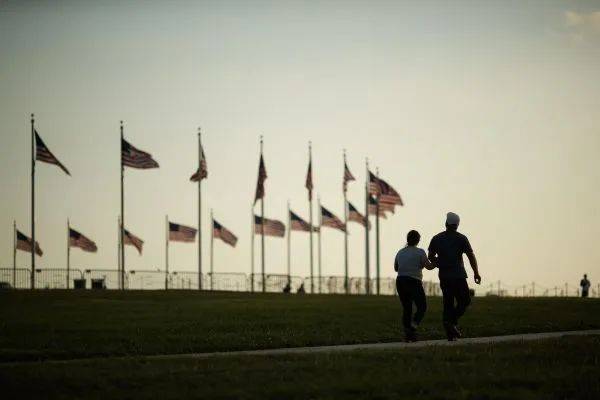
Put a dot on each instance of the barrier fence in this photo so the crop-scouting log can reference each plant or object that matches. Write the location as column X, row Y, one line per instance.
column 108, row 278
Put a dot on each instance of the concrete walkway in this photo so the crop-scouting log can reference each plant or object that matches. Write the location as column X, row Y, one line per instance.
column 335, row 348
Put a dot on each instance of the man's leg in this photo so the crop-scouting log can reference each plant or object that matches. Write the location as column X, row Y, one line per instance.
column 406, row 300
column 463, row 298
column 448, row 301
column 420, row 302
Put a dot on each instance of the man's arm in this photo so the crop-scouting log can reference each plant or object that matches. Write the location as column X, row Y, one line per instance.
column 425, row 263
column 396, row 263
column 473, row 262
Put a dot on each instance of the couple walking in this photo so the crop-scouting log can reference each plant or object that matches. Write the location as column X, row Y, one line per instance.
column 445, row 253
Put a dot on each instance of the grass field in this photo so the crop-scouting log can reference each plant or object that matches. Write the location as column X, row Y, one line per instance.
column 63, row 325
column 71, row 324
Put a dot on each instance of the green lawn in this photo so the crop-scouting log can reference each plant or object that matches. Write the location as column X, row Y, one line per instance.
column 69, row 324
column 567, row 368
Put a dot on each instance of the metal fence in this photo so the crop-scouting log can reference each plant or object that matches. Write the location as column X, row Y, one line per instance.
column 108, row 278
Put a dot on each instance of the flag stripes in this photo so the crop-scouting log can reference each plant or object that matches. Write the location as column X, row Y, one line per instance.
column 24, row 243
column 260, row 184
column 76, row 239
column 330, row 220
column 298, row 224
column 132, row 240
column 347, row 176
column 356, row 216
column 135, row 158
column 373, row 207
column 181, row 233
column 309, row 181
column 220, row 232
column 272, row 227
column 42, row 153
column 203, row 169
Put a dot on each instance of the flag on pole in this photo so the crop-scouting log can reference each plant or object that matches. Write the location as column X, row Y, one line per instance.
column 356, row 216
column 309, row 181
column 220, row 232
column 181, row 233
column 76, row 239
column 347, row 176
column 135, row 158
column 330, row 220
column 260, row 184
column 42, row 153
column 388, row 195
column 272, row 227
column 373, row 207
column 132, row 240
column 203, row 169
column 374, row 188
column 24, row 243
column 298, row 224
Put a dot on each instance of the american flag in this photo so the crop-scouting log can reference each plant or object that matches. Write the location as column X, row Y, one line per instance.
column 347, row 176
column 43, row 154
column 330, row 220
column 132, row 240
column 373, row 207
column 24, row 243
column 388, row 195
column 374, row 187
column 203, row 168
column 135, row 158
column 309, row 182
column 356, row 216
column 181, row 233
column 260, row 184
column 220, row 232
column 272, row 227
column 298, row 224
column 76, row 239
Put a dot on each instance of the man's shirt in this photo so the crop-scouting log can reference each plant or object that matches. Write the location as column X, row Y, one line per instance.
column 449, row 247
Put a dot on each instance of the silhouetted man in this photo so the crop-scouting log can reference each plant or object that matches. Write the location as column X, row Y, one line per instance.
column 445, row 251
column 585, row 286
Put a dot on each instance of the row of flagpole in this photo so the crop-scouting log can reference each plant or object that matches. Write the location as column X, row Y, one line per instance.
column 375, row 190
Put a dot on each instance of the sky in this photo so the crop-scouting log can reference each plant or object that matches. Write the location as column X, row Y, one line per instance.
column 488, row 109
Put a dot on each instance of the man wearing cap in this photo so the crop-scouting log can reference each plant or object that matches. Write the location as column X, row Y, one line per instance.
column 445, row 251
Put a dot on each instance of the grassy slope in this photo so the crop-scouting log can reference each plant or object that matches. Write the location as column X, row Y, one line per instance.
column 567, row 368
column 59, row 324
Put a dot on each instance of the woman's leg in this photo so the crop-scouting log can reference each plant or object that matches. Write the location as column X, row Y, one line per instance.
column 406, row 300
column 420, row 302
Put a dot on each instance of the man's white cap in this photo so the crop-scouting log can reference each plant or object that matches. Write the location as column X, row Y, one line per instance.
column 452, row 219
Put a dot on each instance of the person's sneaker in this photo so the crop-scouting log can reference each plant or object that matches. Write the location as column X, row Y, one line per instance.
column 410, row 335
column 450, row 333
column 457, row 331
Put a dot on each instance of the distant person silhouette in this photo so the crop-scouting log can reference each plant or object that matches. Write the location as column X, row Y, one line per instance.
column 585, row 286
column 287, row 288
column 409, row 264
column 445, row 252
column 301, row 289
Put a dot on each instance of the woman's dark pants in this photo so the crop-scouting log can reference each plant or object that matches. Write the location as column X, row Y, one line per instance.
column 410, row 290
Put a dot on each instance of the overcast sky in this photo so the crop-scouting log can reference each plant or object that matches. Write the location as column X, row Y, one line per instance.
column 488, row 109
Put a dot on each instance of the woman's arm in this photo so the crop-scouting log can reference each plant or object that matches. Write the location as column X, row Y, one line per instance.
column 425, row 263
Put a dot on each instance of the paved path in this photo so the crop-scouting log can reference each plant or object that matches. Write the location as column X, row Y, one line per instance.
column 337, row 348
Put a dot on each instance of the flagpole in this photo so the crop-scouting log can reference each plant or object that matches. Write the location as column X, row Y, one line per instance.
column 200, row 211
column 262, row 228
column 367, row 269
column 32, row 275
column 15, row 254
column 319, row 242
column 166, row 252
column 310, row 214
column 212, row 245
column 68, row 251
column 252, row 251
column 119, row 243
column 377, row 239
column 289, row 243
column 122, row 272
column 346, row 230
